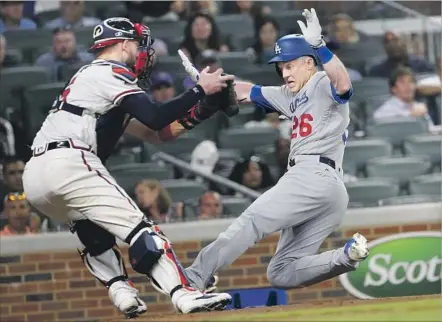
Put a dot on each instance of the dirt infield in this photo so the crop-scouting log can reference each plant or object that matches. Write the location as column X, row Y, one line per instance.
column 244, row 314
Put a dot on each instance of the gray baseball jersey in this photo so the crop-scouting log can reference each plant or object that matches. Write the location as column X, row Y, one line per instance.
column 320, row 116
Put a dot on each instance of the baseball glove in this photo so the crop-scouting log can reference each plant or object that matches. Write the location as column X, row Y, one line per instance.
column 228, row 100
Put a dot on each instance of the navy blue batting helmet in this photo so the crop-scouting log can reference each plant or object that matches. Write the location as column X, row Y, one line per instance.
column 291, row 47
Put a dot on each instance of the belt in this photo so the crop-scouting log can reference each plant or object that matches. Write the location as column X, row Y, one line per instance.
column 58, row 145
column 324, row 160
column 77, row 110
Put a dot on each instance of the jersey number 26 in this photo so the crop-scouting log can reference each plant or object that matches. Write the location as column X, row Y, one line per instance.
column 303, row 125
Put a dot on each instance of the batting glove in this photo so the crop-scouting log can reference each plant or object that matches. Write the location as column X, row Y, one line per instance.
column 313, row 31
column 188, row 66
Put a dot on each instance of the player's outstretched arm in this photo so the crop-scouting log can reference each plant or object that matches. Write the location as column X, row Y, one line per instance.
column 157, row 116
column 243, row 90
column 334, row 68
column 142, row 132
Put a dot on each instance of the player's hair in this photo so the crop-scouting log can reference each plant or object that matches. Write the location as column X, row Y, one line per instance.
column 241, row 167
column 164, row 200
column 257, row 46
column 400, row 72
column 214, row 41
column 9, row 160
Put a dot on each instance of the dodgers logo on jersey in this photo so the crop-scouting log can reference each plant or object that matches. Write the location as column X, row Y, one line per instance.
column 298, row 102
column 277, row 49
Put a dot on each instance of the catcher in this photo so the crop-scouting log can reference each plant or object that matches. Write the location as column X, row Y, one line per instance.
column 102, row 101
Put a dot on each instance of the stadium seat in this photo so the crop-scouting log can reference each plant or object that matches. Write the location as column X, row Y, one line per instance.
column 21, row 77
column 128, row 175
column 367, row 192
column 232, row 61
column 397, row 129
column 67, row 71
column 370, row 87
column 26, row 40
column 171, row 64
column 184, row 144
column 13, row 57
column 405, row 200
column 246, row 140
column 286, row 19
column 246, row 113
column 267, row 154
column 265, row 76
column 429, row 145
column 121, row 159
column 41, row 97
column 182, row 189
column 398, row 168
column 84, row 36
column 358, row 152
column 167, row 29
column 238, row 25
column 190, row 211
column 427, row 184
column 235, row 206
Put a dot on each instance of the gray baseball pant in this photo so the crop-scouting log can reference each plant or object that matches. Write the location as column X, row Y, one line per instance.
column 306, row 205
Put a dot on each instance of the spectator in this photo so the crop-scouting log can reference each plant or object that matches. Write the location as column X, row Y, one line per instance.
column 343, row 31
column 18, row 214
column 34, row 223
column 252, row 8
column 11, row 17
column 252, row 173
column 146, row 11
column 210, row 206
column 209, row 7
column 72, row 14
column 402, row 102
column 155, row 202
column 12, row 174
column 64, row 52
column 396, row 50
column 201, row 33
column 162, row 86
column 266, row 34
column 430, row 89
column 2, row 50
column 205, row 156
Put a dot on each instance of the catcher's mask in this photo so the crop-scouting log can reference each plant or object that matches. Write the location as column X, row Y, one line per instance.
column 114, row 30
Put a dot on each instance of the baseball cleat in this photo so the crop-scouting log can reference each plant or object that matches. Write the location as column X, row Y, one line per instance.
column 188, row 300
column 356, row 248
column 212, row 285
column 125, row 298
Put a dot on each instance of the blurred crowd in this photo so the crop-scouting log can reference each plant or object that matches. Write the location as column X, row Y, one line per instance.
column 414, row 85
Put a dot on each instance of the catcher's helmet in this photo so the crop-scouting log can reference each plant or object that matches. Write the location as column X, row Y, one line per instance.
column 114, row 30
column 291, row 47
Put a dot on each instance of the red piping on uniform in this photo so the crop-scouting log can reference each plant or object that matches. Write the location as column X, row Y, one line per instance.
column 126, row 92
column 105, row 179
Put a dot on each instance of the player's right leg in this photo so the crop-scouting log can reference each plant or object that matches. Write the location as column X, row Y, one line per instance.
column 77, row 181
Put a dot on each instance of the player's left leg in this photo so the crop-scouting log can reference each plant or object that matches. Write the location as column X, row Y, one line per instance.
column 103, row 259
column 296, row 262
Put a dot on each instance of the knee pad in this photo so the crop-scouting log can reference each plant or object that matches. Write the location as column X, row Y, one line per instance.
column 144, row 252
column 95, row 239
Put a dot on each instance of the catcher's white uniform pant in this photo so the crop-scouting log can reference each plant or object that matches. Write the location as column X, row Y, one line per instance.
column 70, row 184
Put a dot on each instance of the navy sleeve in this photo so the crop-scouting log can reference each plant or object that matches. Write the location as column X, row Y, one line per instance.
column 157, row 116
column 257, row 98
column 341, row 98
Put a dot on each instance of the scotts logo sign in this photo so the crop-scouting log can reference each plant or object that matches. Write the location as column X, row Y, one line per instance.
column 398, row 265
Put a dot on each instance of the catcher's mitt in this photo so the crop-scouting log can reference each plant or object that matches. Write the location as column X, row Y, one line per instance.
column 228, row 102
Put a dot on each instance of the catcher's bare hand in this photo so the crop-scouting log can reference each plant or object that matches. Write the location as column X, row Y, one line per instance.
column 213, row 82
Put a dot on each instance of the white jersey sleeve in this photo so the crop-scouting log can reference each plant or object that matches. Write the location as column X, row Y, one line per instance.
column 272, row 99
column 121, row 83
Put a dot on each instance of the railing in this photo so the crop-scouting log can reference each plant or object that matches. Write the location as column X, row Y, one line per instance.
column 161, row 156
column 432, row 40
